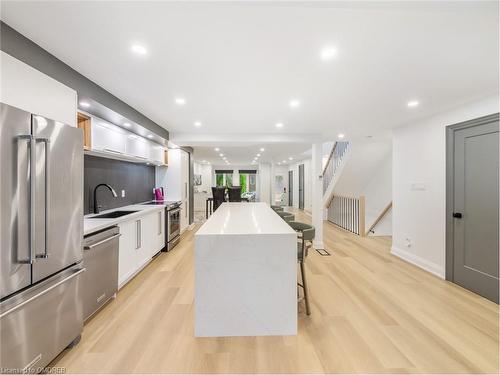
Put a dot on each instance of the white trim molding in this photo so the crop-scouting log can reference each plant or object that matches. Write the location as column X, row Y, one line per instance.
column 418, row 261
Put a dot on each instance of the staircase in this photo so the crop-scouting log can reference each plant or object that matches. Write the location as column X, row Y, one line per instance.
column 332, row 169
column 357, row 185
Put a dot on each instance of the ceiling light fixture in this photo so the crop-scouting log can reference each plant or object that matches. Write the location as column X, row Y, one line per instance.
column 217, row 149
column 284, row 161
column 413, row 103
column 279, row 124
column 262, row 149
column 294, row 103
column 150, row 135
column 139, row 50
column 290, row 158
column 340, row 136
column 126, row 124
column 180, row 101
column 221, row 155
column 84, row 104
column 258, row 155
column 328, row 53
column 197, row 124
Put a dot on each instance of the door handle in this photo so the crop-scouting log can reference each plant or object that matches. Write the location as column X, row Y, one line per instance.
column 90, row 247
column 457, row 215
column 32, row 163
column 46, row 142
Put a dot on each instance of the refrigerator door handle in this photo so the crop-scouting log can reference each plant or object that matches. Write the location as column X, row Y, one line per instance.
column 32, row 165
column 46, row 141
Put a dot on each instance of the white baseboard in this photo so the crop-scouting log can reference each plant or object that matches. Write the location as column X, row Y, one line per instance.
column 419, row 262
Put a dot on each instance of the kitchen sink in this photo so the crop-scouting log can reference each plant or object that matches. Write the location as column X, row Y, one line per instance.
column 113, row 215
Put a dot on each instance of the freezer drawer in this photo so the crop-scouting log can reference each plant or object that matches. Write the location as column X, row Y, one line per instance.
column 36, row 325
column 100, row 259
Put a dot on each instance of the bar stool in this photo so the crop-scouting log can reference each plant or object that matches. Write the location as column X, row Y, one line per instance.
column 305, row 236
column 287, row 216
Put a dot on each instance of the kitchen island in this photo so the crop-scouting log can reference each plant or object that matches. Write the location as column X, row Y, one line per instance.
column 246, row 273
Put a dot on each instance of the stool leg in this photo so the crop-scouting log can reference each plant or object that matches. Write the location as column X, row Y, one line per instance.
column 306, row 291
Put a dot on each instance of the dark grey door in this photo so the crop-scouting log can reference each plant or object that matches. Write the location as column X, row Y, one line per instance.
column 15, row 256
column 290, row 188
column 59, row 196
column 474, row 208
column 301, row 186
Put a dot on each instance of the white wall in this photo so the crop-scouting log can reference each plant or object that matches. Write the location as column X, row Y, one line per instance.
column 378, row 195
column 205, row 170
column 264, row 183
column 33, row 91
column 360, row 165
column 419, row 156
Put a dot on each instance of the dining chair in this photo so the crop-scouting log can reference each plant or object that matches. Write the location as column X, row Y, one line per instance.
column 234, row 193
column 218, row 194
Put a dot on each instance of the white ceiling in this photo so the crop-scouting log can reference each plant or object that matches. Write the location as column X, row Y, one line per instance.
column 239, row 64
column 243, row 154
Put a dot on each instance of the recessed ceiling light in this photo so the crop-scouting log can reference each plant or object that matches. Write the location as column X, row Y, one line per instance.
column 262, row 149
column 217, row 149
column 221, row 155
column 413, row 103
column 180, row 101
column 258, row 155
column 279, row 124
column 284, row 161
column 126, row 124
column 290, row 158
column 328, row 53
column 341, row 136
column 294, row 103
column 197, row 124
column 138, row 49
column 132, row 136
column 85, row 104
column 203, row 161
column 150, row 135
column 279, row 163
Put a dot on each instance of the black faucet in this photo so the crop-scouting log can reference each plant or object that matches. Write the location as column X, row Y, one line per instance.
column 96, row 206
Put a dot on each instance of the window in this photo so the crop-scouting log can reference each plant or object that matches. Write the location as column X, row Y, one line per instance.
column 248, row 181
column 224, row 178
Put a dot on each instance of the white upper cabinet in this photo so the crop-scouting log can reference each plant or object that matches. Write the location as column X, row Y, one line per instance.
column 111, row 141
column 108, row 138
column 138, row 147
column 156, row 153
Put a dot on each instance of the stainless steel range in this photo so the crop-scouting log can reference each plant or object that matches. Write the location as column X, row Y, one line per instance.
column 172, row 222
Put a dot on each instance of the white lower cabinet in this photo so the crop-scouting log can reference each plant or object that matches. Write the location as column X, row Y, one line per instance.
column 141, row 238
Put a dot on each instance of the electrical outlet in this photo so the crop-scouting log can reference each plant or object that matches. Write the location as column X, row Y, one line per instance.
column 123, row 193
column 407, row 242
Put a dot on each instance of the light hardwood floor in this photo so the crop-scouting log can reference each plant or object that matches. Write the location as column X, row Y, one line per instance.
column 371, row 313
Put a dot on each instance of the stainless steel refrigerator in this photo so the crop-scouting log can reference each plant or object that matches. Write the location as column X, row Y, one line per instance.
column 41, row 233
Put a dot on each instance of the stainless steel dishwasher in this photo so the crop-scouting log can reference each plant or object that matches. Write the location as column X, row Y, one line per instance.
column 100, row 258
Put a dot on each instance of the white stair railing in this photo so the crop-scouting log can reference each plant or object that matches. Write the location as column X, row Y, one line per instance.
column 338, row 151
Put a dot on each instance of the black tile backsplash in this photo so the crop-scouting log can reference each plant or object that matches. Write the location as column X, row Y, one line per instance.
column 138, row 181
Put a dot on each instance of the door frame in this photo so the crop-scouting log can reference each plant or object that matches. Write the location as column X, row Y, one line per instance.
column 290, row 188
column 302, row 181
column 450, row 174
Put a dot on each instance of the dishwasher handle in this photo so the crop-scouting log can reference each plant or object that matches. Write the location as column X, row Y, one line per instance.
column 90, row 247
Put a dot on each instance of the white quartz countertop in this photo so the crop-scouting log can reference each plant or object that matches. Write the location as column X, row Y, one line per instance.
column 91, row 225
column 244, row 218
